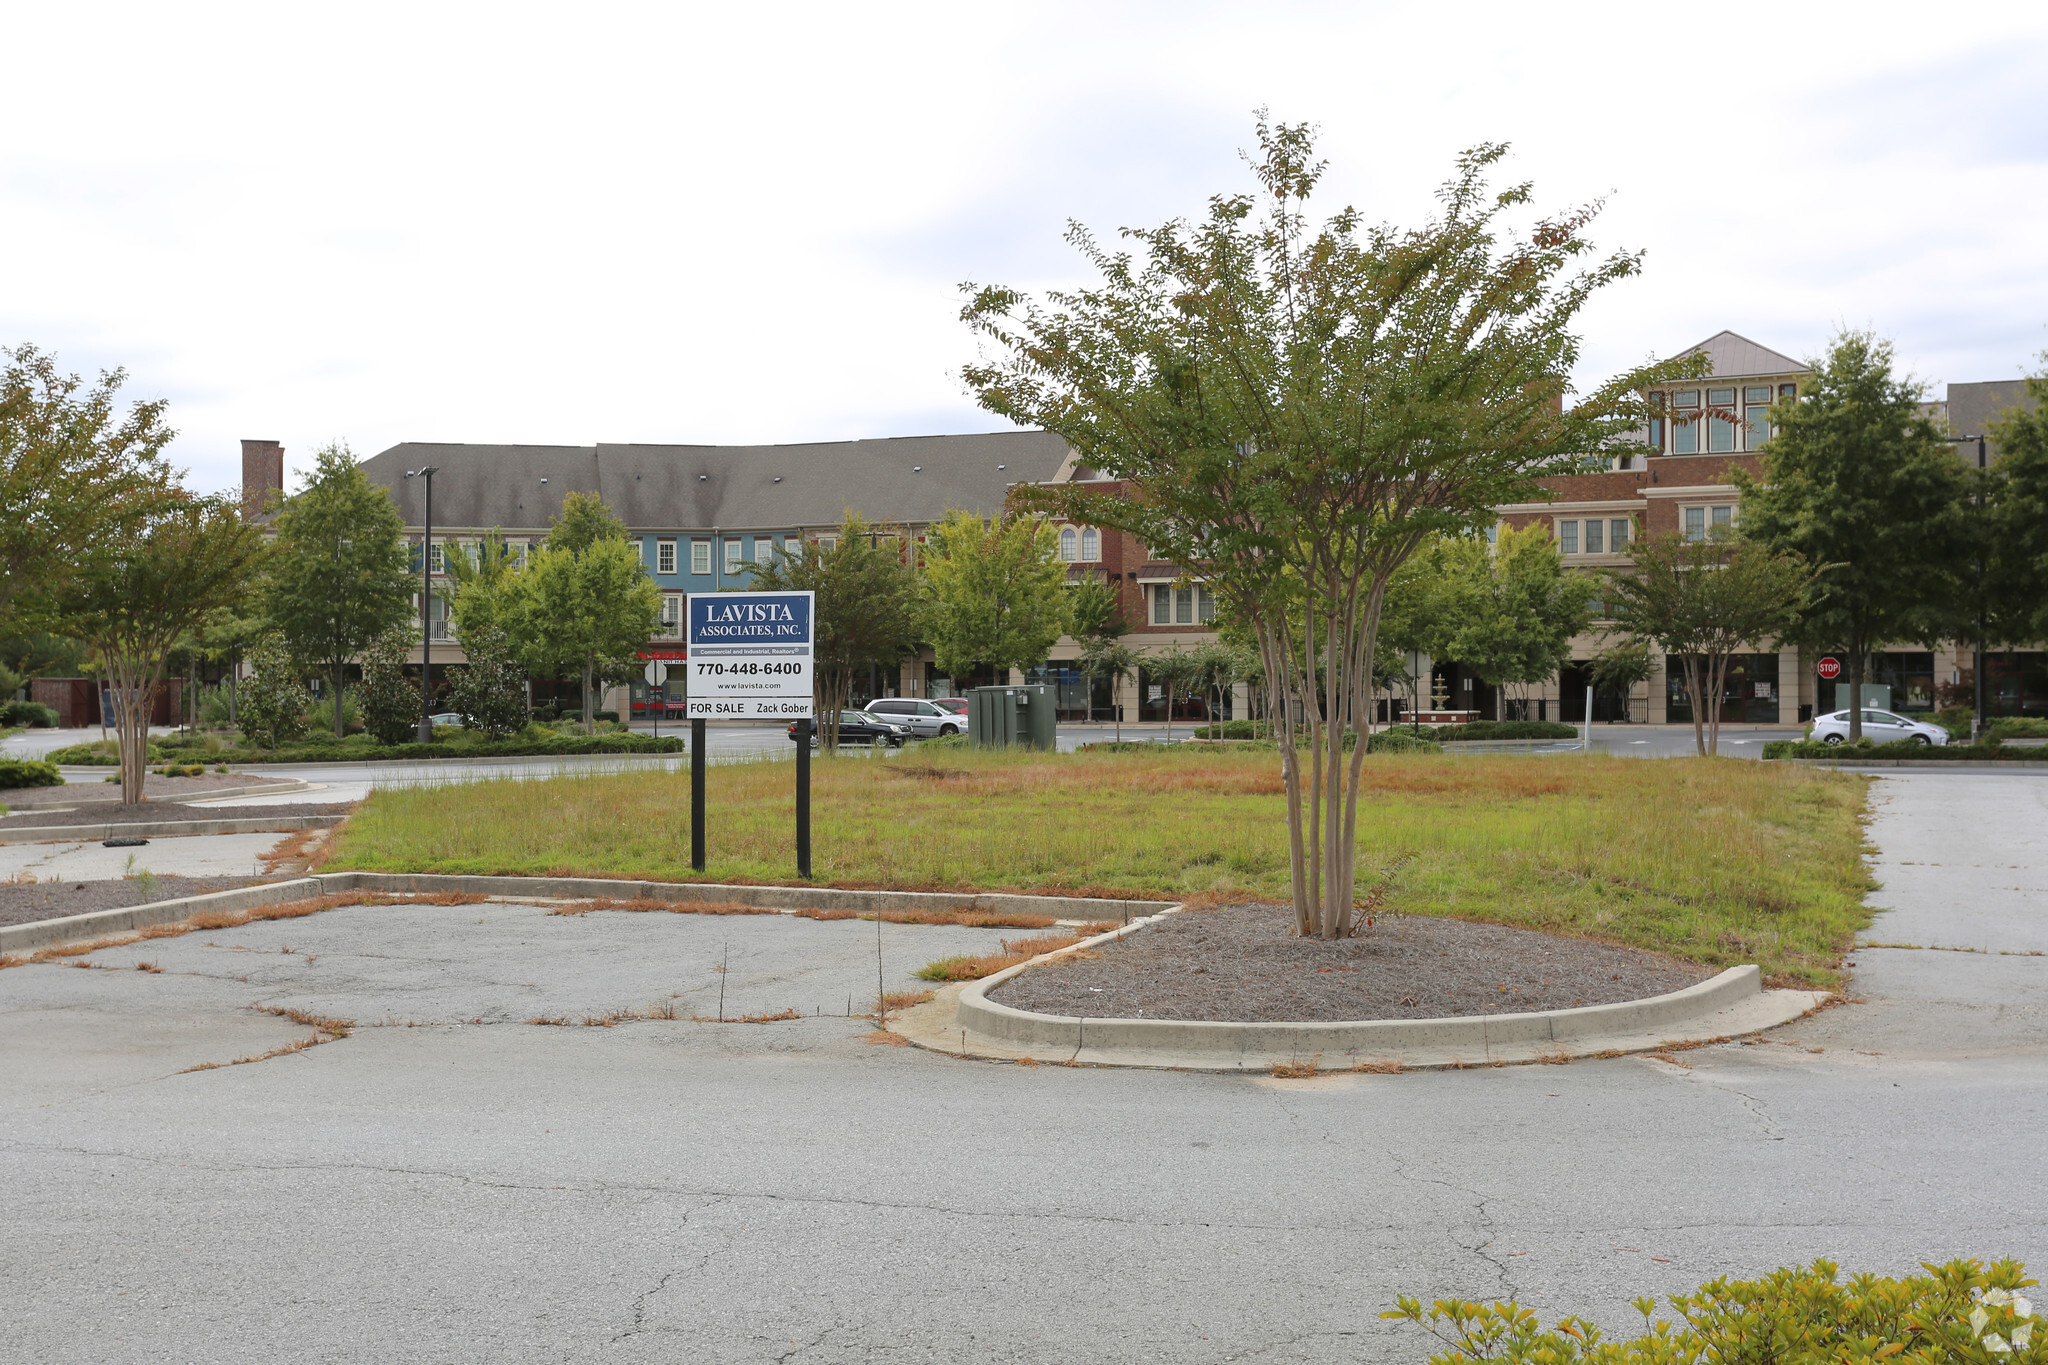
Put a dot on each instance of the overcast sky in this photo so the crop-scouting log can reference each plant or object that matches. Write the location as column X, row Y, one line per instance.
column 735, row 224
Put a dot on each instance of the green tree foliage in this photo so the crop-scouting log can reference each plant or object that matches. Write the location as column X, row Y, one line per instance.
column 134, row 594
column 865, row 612
column 1513, row 611
column 1858, row 479
column 2013, row 527
column 387, row 698
column 585, row 604
column 1095, row 611
column 995, row 592
column 1107, row 657
column 1623, row 666
column 1298, row 407
column 274, row 696
column 477, row 579
column 74, row 470
column 1705, row 600
column 341, row 577
column 489, row 690
column 1178, row 673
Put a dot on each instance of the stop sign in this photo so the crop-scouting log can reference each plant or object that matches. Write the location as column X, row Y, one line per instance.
column 1829, row 667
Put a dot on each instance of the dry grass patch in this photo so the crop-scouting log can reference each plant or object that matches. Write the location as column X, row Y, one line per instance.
column 1295, row 1069
column 974, row 966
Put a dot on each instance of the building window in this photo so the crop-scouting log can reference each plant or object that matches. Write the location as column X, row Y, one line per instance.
column 1567, row 537
column 1788, row 391
column 1617, row 535
column 1069, row 544
column 1091, row 546
column 1184, row 606
column 1596, row 536
column 437, row 558
column 664, row 556
column 1162, row 605
column 1656, row 441
column 1685, row 425
column 515, row 553
column 827, row 544
column 700, row 556
column 1756, row 411
column 1720, row 428
column 732, row 556
column 1695, row 523
column 671, row 616
column 764, row 550
column 1205, row 605
column 793, row 546
column 1723, row 517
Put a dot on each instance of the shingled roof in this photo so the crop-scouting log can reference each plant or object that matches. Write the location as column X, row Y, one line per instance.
column 915, row 479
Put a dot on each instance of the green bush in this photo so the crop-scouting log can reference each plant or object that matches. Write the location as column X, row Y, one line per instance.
column 1962, row 1313
column 213, row 705
column 1237, row 729
column 944, row 742
column 320, row 715
column 2017, row 727
column 1954, row 719
column 100, row 753
column 28, row 713
column 1505, row 729
column 27, row 772
column 1401, row 742
column 1898, row 748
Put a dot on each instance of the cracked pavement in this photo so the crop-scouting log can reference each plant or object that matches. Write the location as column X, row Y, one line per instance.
column 450, row 1183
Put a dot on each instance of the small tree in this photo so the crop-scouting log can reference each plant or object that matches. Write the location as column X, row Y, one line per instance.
column 584, row 605
column 1111, row 659
column 274, row 699
column 389, row 699
column 341, row 576
column 490, row 690
column 135, row 596
column 1516, row 608
column 1857, row 478
column 478, row 581
column 1178, row 672
column 1621, row 667
column 1704, row 600
column 865, row 609
column 1095, row 611
column 995, row 592
column 2012, row 528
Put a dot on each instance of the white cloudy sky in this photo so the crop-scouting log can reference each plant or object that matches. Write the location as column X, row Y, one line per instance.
column 500, row 222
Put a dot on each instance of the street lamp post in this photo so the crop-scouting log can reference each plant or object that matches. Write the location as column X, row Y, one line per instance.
column 1977, row 654
column 426, row 735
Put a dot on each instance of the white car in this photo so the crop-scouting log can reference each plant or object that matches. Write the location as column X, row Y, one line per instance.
column 1880, row 727
column 923, row 718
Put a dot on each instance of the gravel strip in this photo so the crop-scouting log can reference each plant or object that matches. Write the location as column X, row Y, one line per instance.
column 101, row 815
column 79, row 790
column 1242, row 963
column 25, row 903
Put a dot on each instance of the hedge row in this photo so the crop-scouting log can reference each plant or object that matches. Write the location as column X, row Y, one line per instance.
column 94, row 754
column 27, row 772
column 1898, row 748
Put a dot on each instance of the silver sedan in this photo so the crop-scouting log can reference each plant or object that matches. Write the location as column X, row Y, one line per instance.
column 1880, row 727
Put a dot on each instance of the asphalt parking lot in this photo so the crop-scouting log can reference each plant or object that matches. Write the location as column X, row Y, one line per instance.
column 453, row 1183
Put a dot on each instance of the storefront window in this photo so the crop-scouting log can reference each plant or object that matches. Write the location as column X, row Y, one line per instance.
column 1749, row 690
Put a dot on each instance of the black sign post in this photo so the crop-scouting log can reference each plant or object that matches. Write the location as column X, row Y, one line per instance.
column 804, row 730
column 751, row 659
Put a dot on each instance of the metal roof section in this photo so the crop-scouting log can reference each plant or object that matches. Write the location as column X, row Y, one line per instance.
column 912, row 479
column 1737, row 357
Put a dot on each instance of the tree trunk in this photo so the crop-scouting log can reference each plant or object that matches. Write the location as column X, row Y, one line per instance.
column 1693, row 689
column 340, row 727
column 589, row 707
column 1717, row 681
column 234, row 667
column 1855, row 691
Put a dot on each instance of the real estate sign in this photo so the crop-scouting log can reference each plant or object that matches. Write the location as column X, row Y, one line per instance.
column 750, row 655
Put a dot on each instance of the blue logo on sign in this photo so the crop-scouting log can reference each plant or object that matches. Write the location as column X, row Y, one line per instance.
column 751, row 618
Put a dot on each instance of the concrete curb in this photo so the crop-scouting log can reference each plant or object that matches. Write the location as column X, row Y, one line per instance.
column 17, row 938
column 166, row 829
column 256, row 769
column 962, row 1021
column 283, row 788
column 1968, row 765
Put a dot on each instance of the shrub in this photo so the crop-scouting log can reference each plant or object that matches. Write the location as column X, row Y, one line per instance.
column 390, row 700
column 490, row 690
column 99, row 753
column 1237, row 729
column 213, row 705
column 27, row 772
column 320, row 715
column 611, row 716
column 1505, row 729
column 944, row 742
column 28, row 713
column 1962, row 1313
column 1401, row 742
column 1956, row 720
column 2017, row 727
column 1898, row 748
column 274, row 701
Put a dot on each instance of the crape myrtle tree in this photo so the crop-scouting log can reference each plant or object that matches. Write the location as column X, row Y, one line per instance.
column 136, row 594
column 1705, row 601
column 865, row 611
column 1621, row 667
column 1858, row 479
column 74, row 470
column 1107, row 657
column 1296, row 407
column 995, row 592
column 585, row 602
column 341, row 576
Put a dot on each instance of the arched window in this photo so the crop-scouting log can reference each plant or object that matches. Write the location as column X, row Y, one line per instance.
column 1067, row 543
column 1091, row 545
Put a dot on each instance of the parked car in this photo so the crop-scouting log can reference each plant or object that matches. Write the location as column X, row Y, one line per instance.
column 924, row 718
column 957, row 705
column 1880, row 727
column 857, row 727
column 447, row 718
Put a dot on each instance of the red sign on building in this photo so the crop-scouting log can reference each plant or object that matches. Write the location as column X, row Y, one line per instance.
column 1829, row 668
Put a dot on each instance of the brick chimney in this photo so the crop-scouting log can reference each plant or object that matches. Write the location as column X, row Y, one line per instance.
column 262, row 476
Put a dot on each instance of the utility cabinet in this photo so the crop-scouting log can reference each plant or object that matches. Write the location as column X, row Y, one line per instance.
column 998, row 717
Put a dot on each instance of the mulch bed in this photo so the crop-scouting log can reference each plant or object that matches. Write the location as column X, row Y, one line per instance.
column 102, row 814
column 1243, row 964
column 26, row 903
column 79, row 789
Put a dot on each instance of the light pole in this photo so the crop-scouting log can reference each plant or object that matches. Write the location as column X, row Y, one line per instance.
column 426, row 736
column 342, row 545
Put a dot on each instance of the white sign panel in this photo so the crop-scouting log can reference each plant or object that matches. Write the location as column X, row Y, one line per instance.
column 750, row 655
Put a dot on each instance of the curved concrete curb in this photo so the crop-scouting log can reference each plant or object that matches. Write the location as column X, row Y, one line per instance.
column 966, row 1022
column 40, row 933
column 280, row 788
column 166, row 829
